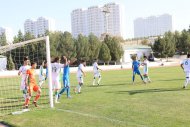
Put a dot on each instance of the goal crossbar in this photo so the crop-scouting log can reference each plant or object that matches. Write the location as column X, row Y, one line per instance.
column 16, row 45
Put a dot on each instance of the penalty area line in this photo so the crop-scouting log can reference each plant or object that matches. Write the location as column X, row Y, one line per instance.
column 101, row 117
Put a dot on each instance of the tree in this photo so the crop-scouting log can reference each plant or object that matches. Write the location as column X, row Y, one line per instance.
column 10, row 64
column 144, row 42
column 19, row 37
column 94, row 47
column 62, row 44
column 67, row 47
column 3, row 40
column 54, row 42
column 18, row 52
column 183, row 44
column 170, row 47
column 104, row 54
column 156, row 47
column 177, row 38
column 82, row 47
column 27, row 36
column 115, row 47
column 165, row 47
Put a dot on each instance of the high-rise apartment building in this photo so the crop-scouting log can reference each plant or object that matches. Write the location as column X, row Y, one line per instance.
column 93, row 20
column 8, row 34
column 152, row 26
column 39, row 27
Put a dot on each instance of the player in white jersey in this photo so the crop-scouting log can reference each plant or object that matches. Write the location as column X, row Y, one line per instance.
column 80, row 74
column 185, row 65
column 56, row 70
column 42, row 75
column 22, row 71
column 145, row 70
column 96, row 71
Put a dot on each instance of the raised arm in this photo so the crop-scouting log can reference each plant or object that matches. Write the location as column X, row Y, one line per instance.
column 73, row 61
column 65, row 60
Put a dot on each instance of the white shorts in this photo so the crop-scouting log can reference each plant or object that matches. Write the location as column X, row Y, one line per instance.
column 187, row 73
column 80, row 79
column 56, row 84
column 97, row 74
column 22, row 86
column 145, row 73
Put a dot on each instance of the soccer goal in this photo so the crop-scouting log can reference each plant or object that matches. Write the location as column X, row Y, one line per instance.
column 11, row 59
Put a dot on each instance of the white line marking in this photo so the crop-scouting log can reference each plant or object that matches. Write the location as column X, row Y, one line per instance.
column 101, row 117
column 20, row 112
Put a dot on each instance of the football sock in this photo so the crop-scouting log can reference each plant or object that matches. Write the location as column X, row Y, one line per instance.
column 27, row 101
column 37, row 97
column 56, row 96
column 79, row 88
column 94, row 81
column 68, row 91
column 99, row 80
column 186, row 82
column 141, row 77
column 148, row 79
column 133, row 78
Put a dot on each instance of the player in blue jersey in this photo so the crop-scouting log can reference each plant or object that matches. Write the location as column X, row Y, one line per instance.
column 135, row 67
column 66, row 79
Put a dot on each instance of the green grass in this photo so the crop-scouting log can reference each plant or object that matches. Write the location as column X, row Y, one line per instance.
column 117, row 103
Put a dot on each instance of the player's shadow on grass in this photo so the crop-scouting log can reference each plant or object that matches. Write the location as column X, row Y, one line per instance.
column 114, row 84
column 5, row 124
column 171, row 80
column 133, row 92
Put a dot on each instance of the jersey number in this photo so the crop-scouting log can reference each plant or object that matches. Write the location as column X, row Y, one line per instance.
column 186, row 62
column 54, row 69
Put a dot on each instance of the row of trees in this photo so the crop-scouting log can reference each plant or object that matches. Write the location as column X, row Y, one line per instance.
column 88, row 48
column 83, row 47
column 172, row 43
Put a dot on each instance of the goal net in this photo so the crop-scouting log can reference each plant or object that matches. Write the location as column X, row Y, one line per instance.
column 11, row 60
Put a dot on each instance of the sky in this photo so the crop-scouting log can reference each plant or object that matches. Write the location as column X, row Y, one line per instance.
column 15, row 12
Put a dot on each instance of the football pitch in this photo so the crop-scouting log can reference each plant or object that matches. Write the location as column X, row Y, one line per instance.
column 117, row 103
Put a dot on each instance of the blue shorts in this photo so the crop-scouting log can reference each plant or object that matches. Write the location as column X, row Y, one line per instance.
column 66, row 82
column 136, row 72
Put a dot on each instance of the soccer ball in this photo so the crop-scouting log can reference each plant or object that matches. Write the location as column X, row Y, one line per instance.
column 36, row 88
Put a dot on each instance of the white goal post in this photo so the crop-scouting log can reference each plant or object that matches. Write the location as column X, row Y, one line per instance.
column 49, row 71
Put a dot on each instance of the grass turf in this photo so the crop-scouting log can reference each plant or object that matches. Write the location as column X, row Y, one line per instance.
column 117, row 103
